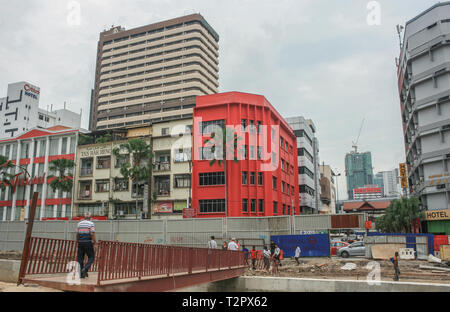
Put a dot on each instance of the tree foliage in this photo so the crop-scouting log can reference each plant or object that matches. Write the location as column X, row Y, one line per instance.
column 139, row 169
column 63, row 180
column 5, row 176
column 400, row 215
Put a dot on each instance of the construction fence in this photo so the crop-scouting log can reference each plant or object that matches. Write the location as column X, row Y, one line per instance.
column 423, row 244
column 183, row 232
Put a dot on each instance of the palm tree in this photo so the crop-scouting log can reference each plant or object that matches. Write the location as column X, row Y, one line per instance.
column 62, row 182
column 228, row 143
column 5, row 176
column 400, row 216
column 139, row 170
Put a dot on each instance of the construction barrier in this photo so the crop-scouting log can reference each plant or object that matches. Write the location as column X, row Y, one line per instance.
column 314, row 245
column 423, row 244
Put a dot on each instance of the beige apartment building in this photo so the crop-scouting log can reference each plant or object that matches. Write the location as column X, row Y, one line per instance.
column 153, row 73
column 99, row 187
column 172, row 170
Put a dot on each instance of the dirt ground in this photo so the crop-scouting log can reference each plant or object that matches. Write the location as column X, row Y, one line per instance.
column 11, row 287
column 326, row 268
column 10, row 255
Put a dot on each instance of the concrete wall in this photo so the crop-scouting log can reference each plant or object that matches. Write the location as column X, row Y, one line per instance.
column 186, row 232
column 276, row 284
column 9, row 270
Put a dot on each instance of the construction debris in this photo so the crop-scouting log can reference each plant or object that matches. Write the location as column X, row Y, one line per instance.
column 349, row 267
column 427, row 267
column 432, row 258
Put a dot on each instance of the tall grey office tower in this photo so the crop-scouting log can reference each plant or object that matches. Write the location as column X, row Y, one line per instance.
column 424, row 89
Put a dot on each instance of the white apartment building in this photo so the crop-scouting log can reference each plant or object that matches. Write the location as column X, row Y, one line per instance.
column 308, row 164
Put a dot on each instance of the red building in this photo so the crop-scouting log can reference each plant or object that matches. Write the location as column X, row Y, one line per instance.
column 263, row 180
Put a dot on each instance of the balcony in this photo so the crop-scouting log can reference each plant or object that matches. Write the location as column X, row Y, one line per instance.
column 85, row 195
column 86, row 172
column 163, row 193
column 161, row 166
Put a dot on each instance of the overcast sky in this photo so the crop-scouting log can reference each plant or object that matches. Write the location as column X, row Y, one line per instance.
column 319, row 59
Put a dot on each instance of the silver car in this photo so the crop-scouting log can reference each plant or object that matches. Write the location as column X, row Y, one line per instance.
column 355, row 249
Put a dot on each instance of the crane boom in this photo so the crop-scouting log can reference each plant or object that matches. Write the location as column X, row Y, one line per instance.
column 355, row 144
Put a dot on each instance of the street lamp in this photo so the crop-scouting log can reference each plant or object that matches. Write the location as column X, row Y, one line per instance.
column 336, row 197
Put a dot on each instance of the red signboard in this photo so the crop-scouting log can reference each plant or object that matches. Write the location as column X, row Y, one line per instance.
column 188, row 213
column 164, row 207
column 364, row 190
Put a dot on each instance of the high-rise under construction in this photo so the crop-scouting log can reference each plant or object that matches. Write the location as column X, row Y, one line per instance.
column 358, row 171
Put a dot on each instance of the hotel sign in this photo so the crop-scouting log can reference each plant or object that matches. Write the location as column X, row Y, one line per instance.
column 434, row 215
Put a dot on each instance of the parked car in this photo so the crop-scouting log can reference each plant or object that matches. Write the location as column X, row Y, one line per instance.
column 354, row 249
column 335, row 245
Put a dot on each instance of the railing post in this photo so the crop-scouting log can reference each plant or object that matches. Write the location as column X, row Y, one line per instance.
column 191, row 255
column 101, row 262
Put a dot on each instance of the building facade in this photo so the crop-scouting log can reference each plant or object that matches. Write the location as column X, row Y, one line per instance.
column 423, row 82
column 374, row 208
column 153, row 73
column 20, row 112
column 328, row 190
column 367, row 192
column 33, row 151
column 389, row 182
column 308, row 164
column 358, row 171
column 99, row 186
column 260, row 175
column 172, row 170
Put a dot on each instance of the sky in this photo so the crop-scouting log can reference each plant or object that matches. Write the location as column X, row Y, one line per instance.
column 329, row 61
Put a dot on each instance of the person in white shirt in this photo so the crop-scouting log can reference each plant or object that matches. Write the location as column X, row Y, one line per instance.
column 266, row 257
column 276, row 259
column 297, row 254
column 232, row 245
column 212, row 243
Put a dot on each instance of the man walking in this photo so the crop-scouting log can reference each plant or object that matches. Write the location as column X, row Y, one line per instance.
column 86, row 242
column 297, row 254
column 254, row 255
column 396, row 268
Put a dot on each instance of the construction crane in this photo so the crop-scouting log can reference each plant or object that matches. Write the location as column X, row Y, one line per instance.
column 355, row 144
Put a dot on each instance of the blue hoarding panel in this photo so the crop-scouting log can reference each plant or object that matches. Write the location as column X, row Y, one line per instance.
column 314, row 245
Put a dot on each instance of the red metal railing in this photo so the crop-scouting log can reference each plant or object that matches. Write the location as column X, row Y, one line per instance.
column 129, row 260
column 116, row 260
column 52, row 256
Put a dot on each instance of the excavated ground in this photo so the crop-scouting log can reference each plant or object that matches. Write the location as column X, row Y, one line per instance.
column 331, row 268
